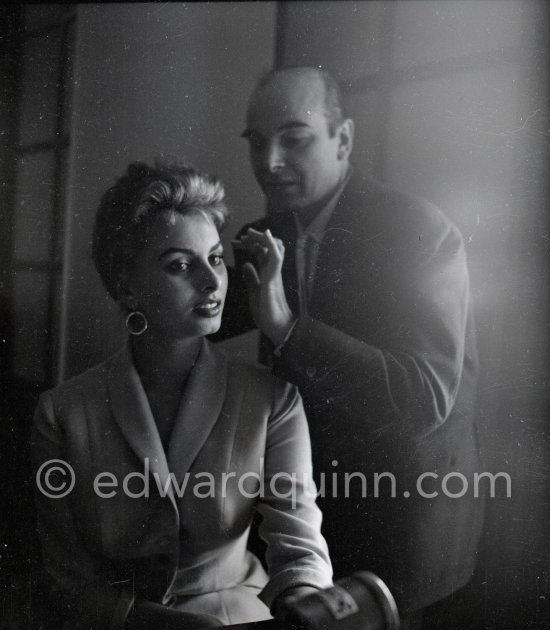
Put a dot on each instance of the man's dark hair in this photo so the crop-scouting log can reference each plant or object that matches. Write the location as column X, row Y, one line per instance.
column 334, row 109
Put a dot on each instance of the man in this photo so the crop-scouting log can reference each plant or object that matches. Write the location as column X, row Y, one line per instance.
column 362, row 295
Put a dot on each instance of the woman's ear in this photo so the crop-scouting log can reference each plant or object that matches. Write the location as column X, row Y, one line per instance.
column 125, row 296
column 345, row 137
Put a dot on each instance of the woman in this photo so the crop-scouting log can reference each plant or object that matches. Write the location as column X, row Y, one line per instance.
column 173, row 445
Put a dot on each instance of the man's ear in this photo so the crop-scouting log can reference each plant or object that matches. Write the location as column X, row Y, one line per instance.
column 345, row 136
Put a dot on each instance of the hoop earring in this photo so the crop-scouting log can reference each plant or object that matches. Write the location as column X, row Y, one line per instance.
column 131, row 329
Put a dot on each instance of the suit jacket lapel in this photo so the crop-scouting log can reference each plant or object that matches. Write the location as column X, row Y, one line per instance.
column 199, row 409
column 332, row 260
column 133, row 415
column 348, row 265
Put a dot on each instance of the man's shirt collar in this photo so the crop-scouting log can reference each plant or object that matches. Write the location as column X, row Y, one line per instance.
column 317, row 227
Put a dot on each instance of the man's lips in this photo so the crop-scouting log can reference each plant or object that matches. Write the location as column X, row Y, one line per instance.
column 285, row 183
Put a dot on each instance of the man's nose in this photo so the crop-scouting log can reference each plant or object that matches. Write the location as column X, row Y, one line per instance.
column 274, row 157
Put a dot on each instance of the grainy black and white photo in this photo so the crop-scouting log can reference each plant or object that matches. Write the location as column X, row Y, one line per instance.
column 274, row 315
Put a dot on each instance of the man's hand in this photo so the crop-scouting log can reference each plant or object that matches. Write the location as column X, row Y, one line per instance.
column 264, row 284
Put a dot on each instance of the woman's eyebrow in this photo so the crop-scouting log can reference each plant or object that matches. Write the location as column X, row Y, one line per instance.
column 183, row 250
column 175, row 250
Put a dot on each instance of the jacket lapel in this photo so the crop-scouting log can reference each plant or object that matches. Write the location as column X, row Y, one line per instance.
column 333, row 260
column 199, row 409
column 134, row 417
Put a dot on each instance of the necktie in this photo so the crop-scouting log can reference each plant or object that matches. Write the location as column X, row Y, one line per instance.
column 306, row 255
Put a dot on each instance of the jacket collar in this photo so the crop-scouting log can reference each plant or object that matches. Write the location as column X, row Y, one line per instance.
column 198, row 411
column 199, row 408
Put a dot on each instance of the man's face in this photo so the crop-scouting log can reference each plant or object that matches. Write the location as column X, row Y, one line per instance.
column 296, row 162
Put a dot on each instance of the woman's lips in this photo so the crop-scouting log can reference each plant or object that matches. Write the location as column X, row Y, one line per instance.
column 210, row 308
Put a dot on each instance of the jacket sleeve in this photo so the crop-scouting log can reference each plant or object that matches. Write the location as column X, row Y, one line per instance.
column 402, row 379
column 85, row 598
column 291, row 521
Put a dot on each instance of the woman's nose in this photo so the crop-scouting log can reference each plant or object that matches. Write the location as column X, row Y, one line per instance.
column 209, row 280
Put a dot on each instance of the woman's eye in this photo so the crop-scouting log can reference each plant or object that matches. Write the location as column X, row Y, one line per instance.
column 217, row 259
column 178, row 265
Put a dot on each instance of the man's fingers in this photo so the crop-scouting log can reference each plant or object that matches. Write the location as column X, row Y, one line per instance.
column 252, row 284
column 262, row 252
column 252, row 233
column 250, row 277
column 251, row 237
column 274, row 245
column 255, row 245
column 268, row 251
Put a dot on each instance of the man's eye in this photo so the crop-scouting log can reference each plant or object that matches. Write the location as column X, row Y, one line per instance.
column 257, row 144
column 217, row 259
column 178, row 265
column 288, row 142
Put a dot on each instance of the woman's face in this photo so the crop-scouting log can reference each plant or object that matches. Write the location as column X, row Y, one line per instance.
column 179, row 281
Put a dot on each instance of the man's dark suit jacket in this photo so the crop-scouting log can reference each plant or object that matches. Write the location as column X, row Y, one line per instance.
column 385, row 360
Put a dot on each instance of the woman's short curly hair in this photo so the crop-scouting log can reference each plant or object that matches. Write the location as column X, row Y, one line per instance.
column 143, row 193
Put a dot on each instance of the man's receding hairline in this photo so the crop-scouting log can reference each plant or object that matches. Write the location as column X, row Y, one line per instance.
column 330, row 96
column 293, row 71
